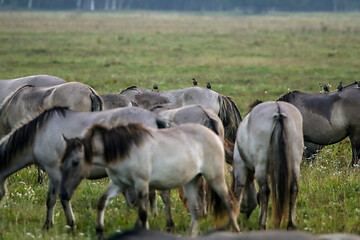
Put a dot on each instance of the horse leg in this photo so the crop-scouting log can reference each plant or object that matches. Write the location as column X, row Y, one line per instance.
column 142, row 189
column 112, row 191
column 165, row 196
column 294, row 189
column 190, row 190
column 70, row 219
column 263, row 198
column 40, row 175
column 239, row 176
column 2, row 188
column 218, row 184
column 355, row 146
column 152, row 200
column 50, row 202
column 249, row 199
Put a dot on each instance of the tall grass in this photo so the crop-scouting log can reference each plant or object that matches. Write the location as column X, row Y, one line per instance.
column 245, row 57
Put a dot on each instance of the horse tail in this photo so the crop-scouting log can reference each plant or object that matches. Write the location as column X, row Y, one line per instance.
column 211, row 123
column 229, row 151
column 162, row 123
column 97, row 103
column 230, row 116
column 219, row 209
column 279, row 168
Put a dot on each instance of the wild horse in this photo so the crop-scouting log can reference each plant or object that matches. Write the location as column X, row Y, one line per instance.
column 29, row 101
column 222, row 105
column 41, row 142
column 142, row 157
column 7, row 86
column 329, row 118
column 269, row 145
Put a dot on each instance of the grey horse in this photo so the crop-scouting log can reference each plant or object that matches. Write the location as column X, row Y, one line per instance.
column 41, row 142
column 269, row 146
column 28, row 101
column 223, row 106
column 7, row 86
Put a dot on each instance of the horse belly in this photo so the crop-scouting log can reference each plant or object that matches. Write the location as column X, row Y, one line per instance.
column 324, row 133
column 172, row 172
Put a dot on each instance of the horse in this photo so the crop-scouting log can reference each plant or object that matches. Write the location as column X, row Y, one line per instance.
column 7, row 86
column 188, row 114
column 330, row 117
column 142, row 157
column 222, row 105
column 197, row 113
column 205, row 116
column 41, row 142
column 113, row 100
column 269, row 145
column 28, row 101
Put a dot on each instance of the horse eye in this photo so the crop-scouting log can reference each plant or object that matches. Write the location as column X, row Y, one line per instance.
column 75, row 163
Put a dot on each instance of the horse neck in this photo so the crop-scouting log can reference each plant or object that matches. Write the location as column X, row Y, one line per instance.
column 97, row 155
column 20, row 160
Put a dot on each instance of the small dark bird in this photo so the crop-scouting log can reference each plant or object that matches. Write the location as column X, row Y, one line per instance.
column 358, row 84
column 326, row 88
column 155, row 86
column 194, row 82
column 208, row 85
column 340, row 87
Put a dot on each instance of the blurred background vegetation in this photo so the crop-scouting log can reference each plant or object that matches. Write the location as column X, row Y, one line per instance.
column 244, row 6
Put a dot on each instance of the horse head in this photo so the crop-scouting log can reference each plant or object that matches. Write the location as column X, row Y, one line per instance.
column 73, row 166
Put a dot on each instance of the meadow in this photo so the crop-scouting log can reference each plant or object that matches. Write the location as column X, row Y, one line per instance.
column 244, row 57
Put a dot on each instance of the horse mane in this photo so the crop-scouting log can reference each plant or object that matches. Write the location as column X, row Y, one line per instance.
column 128, row 89
column 117, row 141
column 286, row 97
column 352, row 84
column 20, row 138
column 229, row 115
column 157, row 107
column 254, row 103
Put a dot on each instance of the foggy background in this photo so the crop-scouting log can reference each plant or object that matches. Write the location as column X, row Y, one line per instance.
column 243, row 6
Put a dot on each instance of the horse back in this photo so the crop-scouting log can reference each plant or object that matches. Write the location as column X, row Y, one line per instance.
column 74, row 95
column 10, row 85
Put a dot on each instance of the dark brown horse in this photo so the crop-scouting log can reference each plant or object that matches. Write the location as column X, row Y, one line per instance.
column 330, row 117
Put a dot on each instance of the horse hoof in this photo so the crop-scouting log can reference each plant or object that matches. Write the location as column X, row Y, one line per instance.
column 47, row 225
column 291, row 226
column 71, row 225
column 100, row 236
column 170, row 228
column 99, row 230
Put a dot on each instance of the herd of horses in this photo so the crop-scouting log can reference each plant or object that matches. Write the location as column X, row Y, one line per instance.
column 146, row 140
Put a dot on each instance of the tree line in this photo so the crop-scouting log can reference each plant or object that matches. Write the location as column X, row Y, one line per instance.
column 246, row 6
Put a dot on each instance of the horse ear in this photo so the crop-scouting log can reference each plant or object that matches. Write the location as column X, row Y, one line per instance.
column 65, row 138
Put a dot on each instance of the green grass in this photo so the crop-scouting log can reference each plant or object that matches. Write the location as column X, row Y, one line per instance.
column 245, row 57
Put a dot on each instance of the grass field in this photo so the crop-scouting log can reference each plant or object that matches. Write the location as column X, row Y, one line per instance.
column 245, row 57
